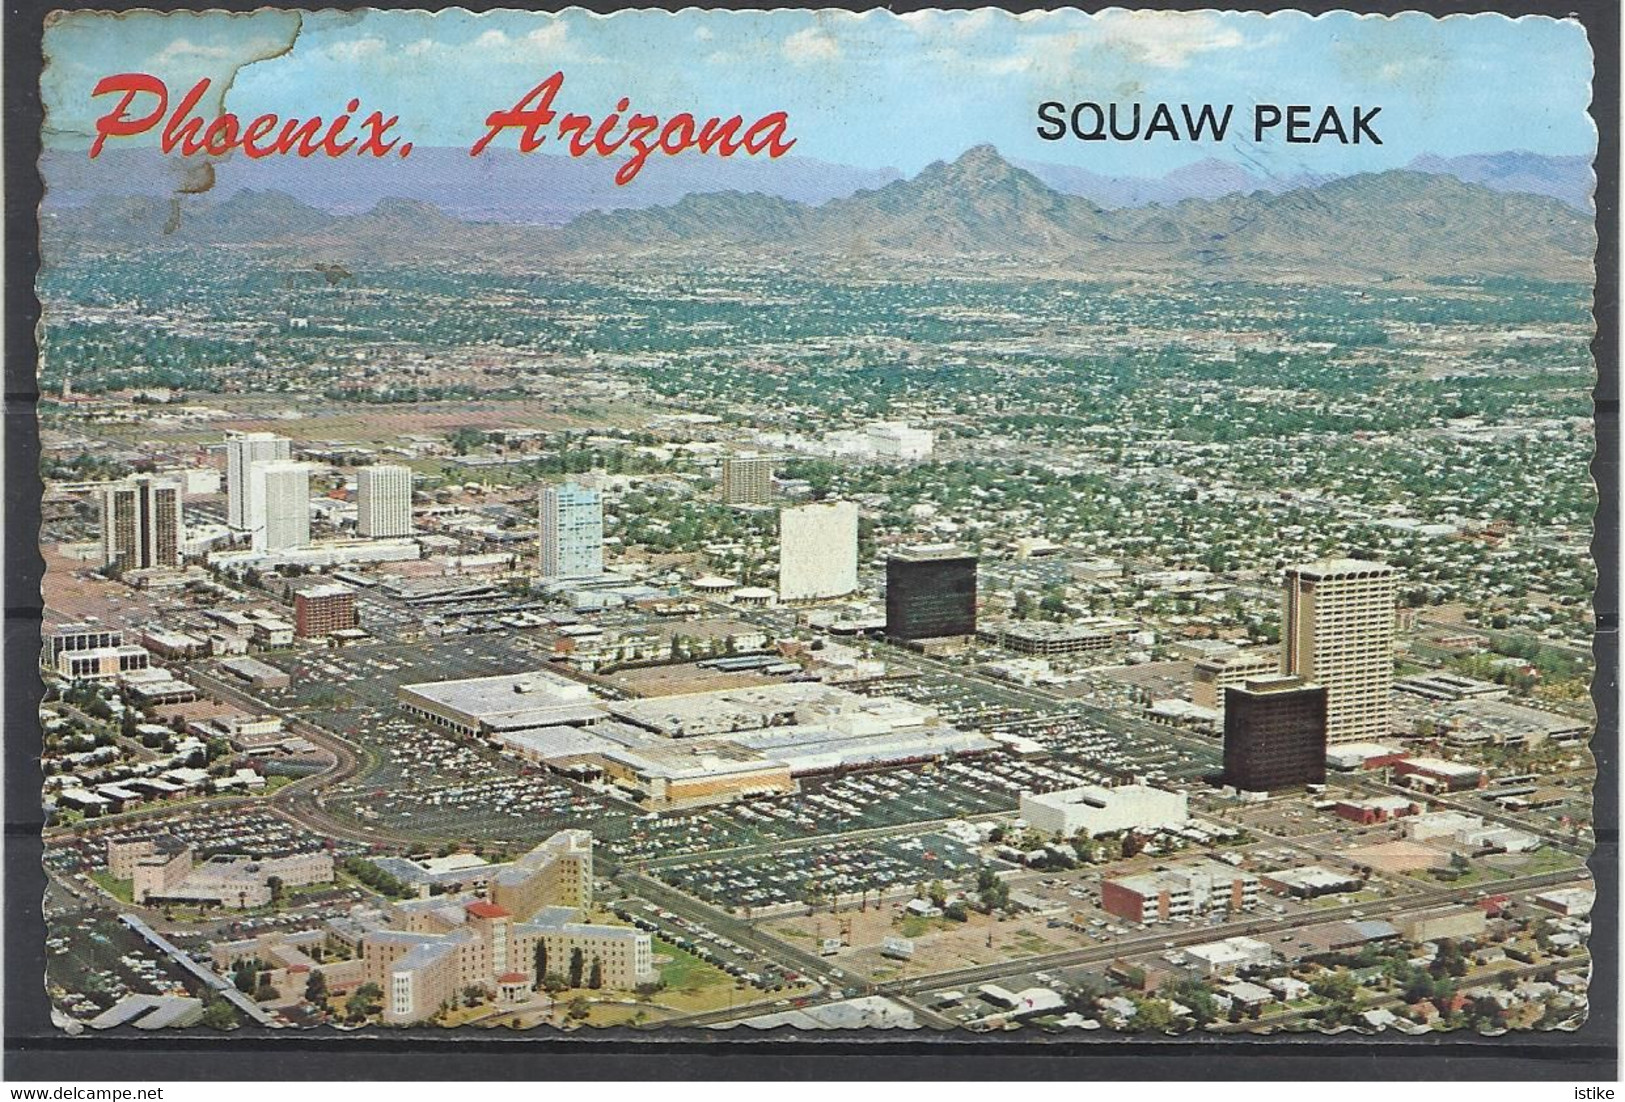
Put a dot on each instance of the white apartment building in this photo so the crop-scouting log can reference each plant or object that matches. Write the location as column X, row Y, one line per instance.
column 278, row 512
column 243, row 450
column 383, row 498
column 572, row 530
column 1338, row 631
column 818, row 551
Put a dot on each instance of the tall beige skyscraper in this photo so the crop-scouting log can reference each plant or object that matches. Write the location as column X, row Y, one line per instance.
column 243, row 450
column 818, row 551
column 383, row 501
column 747, row 480
column 141, row 523
column 1338, row 631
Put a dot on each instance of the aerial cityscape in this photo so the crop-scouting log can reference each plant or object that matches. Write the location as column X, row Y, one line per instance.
column 991, row 610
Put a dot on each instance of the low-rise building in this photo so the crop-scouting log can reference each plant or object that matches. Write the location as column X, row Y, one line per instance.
column 424, row 954
column 1180, row 893
column 1437, row 774
column 1310, row 881
column 1098, row 810
column 1227, row 957
column 1441, row 922
column 1375, row 809
column 162, row 869
column 102, row 663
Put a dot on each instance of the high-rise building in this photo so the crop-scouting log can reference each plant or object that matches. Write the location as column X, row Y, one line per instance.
column 1274, row 734
column 1210, row 677
column 383, row 499
column 141, row 523
column 1338, row 631
column 818, row 551
column 243, row 450
column 320, row 610
column 572, row 528
column 278, row 505
column 747, row 480
column 930, row 593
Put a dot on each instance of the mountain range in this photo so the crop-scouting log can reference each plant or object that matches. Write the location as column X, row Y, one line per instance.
column 503, row 185
column 979, row 205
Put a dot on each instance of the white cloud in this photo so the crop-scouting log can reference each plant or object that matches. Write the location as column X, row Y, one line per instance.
column 548, row 42
column 358, row 49
column 184, row 51
column 1166, row 39
column 703, row 34
column 809, row 46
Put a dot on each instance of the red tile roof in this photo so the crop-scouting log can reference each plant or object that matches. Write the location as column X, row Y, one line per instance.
column 483, row 909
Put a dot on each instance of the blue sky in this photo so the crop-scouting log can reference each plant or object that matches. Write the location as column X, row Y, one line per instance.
column 874, row 90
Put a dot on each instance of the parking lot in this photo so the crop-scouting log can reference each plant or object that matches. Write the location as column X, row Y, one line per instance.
column 824, row 872
column 92, row 962
column 711, row 947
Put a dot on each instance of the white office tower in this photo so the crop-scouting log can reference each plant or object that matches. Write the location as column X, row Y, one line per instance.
column 243, row 450
column 279, row 505
column 383, row 501
column 141, row 523
column 572, row 525
column 818, row 551
column 1338, row 631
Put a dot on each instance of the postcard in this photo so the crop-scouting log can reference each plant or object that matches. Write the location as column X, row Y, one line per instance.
column 1067, row 524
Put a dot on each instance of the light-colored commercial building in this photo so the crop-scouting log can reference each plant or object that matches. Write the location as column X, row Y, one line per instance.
column 163, row 868
column 383, row 500
column 1105, row 810
column 141, row 523
column 1338, row 632
column 278, row 508
column 102, row 663
column 243, row 450
column 483, row 706
column 1232, row 955
column 1047, row 639
column 572, row 531
column 747, row 480
column 1179, row 893
column 896, row 440
column 83, row 637
column 818, row 551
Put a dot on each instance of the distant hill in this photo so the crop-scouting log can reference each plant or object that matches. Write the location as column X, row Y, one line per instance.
column 1569, row 179
column 1206, row 179
column 979, row 205
column 1388, row 223
column 500, row 185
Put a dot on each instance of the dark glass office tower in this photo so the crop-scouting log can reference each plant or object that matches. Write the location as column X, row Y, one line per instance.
column 930, row 594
